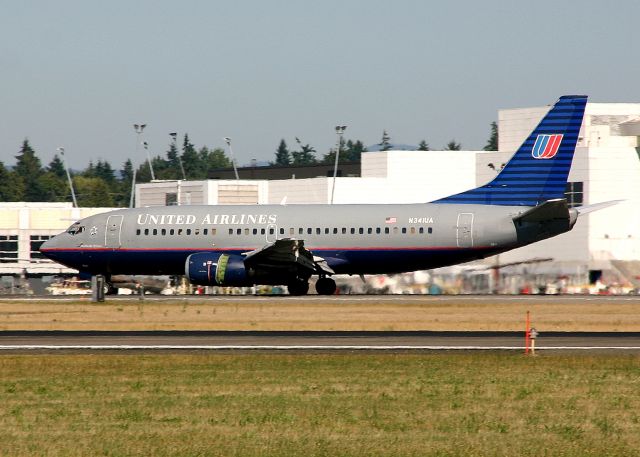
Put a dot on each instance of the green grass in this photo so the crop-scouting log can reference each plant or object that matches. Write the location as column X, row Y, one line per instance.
column 480, row 404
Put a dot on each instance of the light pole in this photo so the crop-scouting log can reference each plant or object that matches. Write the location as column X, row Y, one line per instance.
column 139, row 129
column 146, row 148
column 175, row 147
column 339, row 131
column 66, row 168
column 233, row 159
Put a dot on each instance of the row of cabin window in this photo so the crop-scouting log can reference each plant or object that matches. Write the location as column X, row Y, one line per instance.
column 336, row 231
column 176, row 231
column 301, row 231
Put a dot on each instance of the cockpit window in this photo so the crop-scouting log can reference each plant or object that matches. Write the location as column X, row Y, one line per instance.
column 75, row 229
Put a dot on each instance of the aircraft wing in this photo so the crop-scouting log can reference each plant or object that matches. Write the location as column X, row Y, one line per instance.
column 286, row 251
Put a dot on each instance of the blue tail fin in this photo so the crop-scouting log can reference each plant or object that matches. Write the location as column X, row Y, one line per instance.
column 538, row 170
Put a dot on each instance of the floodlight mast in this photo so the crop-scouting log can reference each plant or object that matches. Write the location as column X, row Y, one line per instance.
column 339, row 131
column 233, row 159
column 66, row 169
column 139, row 128
column 146, row 148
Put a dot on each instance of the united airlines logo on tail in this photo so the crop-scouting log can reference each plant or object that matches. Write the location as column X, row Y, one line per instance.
column 546, row 146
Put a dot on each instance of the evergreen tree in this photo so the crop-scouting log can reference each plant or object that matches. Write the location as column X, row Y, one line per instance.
column 283, row 158
column 124, row 185
column 305, row 156
column 57, row 167
column 190, row 159
column 104, row 171
column 492, row 143
column 385, row 144
column 29, row 168
column 353, row 151
column 423, row 146
column 173, row 158
column 452, row 146
column 12, row 188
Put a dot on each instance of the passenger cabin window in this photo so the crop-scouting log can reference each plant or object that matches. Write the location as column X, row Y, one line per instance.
column 238, row 231
column 188, row 231
column 344, row 230
column 404, row 229
column 421, row 230
column 309, row 231
column 230, row 231
column 300, row 231
column 386, row 230
column 369, row 231
column 214, row 231
column 291, row 231
column 171, row 231
column 146, row 231
column 335, row 230
column 255, row 231
column 430, row 230
column 205, row 231
column 138, row 232
column 353, row 231
column 378, row 230
column 318, row 231
column 246, row 231
column 360, row 230
column 163, row 231
column 281, row 231
column 262, row 231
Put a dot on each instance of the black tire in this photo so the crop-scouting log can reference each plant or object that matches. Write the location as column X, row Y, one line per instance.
column 298, row 288
column 326, row 286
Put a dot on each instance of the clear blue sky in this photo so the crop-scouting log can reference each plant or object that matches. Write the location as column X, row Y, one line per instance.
column 79, row 73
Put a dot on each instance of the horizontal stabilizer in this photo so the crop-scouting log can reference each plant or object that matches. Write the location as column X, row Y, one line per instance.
column 596, row 206
column 551, row 209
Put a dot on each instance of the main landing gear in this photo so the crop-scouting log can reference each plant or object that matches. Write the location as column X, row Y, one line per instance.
column 298, row 287
column 325, row 286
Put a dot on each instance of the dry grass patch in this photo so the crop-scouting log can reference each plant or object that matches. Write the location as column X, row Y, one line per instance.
column 319, row 404
column 278, row 313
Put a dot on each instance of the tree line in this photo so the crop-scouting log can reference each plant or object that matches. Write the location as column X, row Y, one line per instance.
column 102, row 185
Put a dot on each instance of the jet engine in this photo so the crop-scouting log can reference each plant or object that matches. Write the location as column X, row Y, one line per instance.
column 212, row 269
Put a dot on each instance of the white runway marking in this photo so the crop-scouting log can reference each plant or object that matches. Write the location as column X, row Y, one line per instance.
column 305, row 347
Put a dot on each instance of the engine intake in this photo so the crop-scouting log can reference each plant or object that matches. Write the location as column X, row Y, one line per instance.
column 211, row 269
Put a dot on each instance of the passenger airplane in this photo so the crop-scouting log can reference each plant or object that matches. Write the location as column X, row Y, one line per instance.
column 279, row 244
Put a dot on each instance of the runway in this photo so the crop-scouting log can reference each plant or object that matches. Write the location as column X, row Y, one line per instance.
column 312, row 341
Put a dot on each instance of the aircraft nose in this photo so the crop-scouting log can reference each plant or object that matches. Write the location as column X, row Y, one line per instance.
column 49, row 246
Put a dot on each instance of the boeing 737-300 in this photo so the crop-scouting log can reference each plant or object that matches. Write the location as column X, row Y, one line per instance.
column 287, row 244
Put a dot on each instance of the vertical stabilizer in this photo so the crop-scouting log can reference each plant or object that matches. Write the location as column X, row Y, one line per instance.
column 538, row 170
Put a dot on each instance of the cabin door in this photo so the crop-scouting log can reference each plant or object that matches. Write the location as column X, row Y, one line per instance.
column 112, row 232
column 464, row 230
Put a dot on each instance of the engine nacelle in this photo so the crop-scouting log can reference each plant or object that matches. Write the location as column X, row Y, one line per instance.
column 212, row 269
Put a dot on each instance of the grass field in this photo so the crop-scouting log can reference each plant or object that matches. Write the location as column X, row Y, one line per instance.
column 201, row 404
column 290, row 313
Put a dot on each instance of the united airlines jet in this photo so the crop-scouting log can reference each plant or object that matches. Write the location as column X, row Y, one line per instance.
column 279, row 244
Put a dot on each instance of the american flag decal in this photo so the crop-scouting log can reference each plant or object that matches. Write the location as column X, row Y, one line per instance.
column 546, row 146
column 390, row 220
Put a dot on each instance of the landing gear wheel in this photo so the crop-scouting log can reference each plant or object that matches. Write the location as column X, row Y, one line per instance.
column 326, row 286
column 298, row 287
